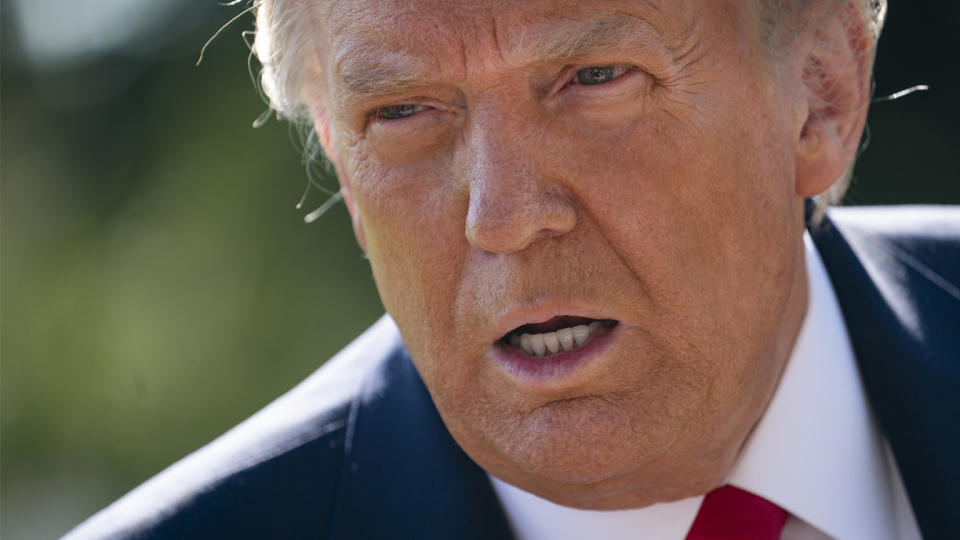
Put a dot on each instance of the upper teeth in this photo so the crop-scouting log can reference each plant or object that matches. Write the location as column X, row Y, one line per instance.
column 565, row 339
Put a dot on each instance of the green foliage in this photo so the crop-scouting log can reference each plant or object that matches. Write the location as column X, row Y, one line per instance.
column 158, row 284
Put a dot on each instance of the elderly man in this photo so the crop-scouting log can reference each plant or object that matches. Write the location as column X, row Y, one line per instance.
column 613, row 309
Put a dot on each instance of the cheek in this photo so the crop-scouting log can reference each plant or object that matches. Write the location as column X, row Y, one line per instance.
column 705, row 221
column 413, row 224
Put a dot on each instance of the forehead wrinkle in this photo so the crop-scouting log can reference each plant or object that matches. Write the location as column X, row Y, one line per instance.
column 579, row 38
column 380, row 72
column 372, row 67
column 371, row 60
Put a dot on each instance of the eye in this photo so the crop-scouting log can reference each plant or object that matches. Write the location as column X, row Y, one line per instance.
column 398, row 112
column 595, row 75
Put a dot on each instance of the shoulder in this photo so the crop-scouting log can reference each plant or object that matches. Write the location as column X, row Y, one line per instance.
column 274, row 474
column 933, row 228
column 906, row 250
column 903, row 261
column 896, row 275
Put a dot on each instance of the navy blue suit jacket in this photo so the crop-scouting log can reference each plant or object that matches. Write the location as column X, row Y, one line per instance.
column 359, row 451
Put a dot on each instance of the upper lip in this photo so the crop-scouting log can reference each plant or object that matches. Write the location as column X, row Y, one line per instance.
column 544, row 311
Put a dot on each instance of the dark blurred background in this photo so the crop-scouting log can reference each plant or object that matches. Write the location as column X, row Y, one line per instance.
column 158, row 285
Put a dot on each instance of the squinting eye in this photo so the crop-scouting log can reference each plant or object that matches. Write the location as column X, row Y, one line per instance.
column 599, row 74
column 397, row 112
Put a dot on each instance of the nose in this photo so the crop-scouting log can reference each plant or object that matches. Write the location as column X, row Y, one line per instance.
column 512, row 202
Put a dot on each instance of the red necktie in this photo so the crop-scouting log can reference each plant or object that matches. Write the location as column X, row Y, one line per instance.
column 730, row 513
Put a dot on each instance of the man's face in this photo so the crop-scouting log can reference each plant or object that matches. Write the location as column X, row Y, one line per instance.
column 534, row 167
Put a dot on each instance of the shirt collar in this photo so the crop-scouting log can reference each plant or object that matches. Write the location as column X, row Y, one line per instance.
column 816, row 452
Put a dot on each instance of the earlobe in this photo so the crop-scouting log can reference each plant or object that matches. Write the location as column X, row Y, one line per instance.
column 821, row 158
column 835, row 76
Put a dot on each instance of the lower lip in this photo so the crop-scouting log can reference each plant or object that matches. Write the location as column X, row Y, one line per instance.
column 554, row 367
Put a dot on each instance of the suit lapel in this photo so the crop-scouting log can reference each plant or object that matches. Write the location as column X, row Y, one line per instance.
column 404, row 476
column 904, row 330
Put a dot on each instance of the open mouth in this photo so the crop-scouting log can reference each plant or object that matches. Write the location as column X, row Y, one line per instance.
column 557, row 335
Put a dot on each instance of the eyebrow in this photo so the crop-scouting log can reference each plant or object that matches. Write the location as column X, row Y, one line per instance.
column 573, row 39
column 378, row 71
column 375, row 73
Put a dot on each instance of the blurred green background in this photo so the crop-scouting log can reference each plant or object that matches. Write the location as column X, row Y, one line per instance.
column 158, row 285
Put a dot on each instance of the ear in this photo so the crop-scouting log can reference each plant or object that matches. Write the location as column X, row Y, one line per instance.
column 321, row 123
column 835, row 74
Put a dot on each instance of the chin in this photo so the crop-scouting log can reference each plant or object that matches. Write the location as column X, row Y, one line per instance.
column 598, row 478
column 578, row 444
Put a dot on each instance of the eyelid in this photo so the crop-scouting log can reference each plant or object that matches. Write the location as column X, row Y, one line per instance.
column 430, row 113
column 570, row 74
column 567, row 77
column 377, row 113
column 425, row 104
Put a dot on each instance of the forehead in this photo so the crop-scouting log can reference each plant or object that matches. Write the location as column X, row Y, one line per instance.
column 394, row 37
column 394, row 18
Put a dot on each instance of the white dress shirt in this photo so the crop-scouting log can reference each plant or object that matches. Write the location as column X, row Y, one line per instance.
column 816, row 452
